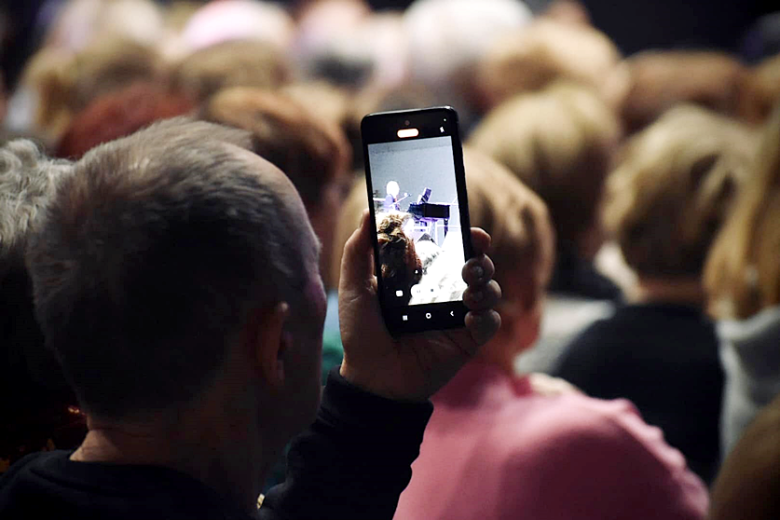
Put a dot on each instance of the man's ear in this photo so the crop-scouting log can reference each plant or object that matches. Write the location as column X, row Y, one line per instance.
column 266, row 340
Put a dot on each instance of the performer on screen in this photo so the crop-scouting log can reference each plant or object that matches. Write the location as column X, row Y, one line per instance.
column 391, row 200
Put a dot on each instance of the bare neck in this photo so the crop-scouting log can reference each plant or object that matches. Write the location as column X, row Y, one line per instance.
column 684, row 291
column 224, row 454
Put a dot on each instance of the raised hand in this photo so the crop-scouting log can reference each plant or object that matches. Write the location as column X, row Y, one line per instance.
column 413, row 367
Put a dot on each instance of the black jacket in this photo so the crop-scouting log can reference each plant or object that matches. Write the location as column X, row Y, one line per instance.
column 353, row 462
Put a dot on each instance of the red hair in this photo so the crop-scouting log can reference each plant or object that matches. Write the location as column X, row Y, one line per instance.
column 119, row 114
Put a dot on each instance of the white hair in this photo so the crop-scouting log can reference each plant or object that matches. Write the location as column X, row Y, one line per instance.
column 446, row 36
column 27, row 181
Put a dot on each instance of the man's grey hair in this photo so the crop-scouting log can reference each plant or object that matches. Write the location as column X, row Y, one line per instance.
column 27, row 180
column 151, row 255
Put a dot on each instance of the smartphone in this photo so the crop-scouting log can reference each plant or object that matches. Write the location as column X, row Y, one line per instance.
column 419, row 216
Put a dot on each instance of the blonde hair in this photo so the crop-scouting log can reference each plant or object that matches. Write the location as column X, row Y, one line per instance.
column 518, row 223
column 559, row 143
column 742, row 275
column 549, row 51
column 238, row 63
column 67, row 82
column 672, row 190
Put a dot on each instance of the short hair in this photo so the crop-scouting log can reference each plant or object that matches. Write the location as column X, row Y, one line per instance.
column 672, row 190
column 559, row 143
column 118, row 115
column 312, row 152
column 149, row 257
column 522, row 245
column 659, row 80
column 545, row 52
column 400, row 266
column 238, row 63
column 742, row 276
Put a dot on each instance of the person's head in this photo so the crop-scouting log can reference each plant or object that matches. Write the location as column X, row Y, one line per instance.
column 760, row 91
column 548, row 51
column 742, row 276
column 392, row 188
column 671, row 192
column 117, row 115
column 400, row 266
column 227, row 20
column 236, row 63
column 311, row 151
column 66, row 83
column 559, row 143
column 659, row 80
column 522, row 249
column 159, row 274
column 448, row 38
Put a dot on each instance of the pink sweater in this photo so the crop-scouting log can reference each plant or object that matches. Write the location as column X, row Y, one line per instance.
column 493, row 449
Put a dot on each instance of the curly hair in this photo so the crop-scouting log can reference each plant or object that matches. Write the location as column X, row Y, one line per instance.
column 401, row 267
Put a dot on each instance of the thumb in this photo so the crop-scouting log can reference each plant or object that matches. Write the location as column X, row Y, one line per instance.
column 357, row 263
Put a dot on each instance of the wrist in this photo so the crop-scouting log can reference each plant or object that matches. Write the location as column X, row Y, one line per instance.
column 364, row 380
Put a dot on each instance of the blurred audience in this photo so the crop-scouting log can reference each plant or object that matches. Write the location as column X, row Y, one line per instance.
column 496, row 446
column 548, row 51
column 58, row 84
column 39, row 411
column 666, row 201
column 235, row 63
column 660, row 80
column 743, row 283
column 448, row 38
column 117, row 115
column 559, row 142
column 760, row 91
column 312, row 152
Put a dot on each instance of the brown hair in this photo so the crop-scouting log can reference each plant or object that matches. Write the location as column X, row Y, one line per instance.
column 312, row 152
column 559, row 143
column 517, row 221
column 400, row 265
column 659, row 80
column 237, row 63
column 117, row 115
column 672, row 190
column 743, row 272
column 148, row 258
column 761, row 91
column 545, row 52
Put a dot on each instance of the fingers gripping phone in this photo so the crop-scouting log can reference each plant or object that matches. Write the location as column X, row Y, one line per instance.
column 419, row 213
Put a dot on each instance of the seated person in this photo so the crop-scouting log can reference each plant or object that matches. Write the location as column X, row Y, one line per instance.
column 176, row 277
column 666, row 201
column 496, row 447
column 559, row 142
column 742, row 278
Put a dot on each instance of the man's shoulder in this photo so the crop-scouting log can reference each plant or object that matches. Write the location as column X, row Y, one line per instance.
column 46, row 485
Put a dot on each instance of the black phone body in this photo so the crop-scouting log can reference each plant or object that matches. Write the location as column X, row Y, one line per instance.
column 419, row 216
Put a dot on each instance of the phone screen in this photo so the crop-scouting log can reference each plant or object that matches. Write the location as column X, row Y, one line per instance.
column 417, row 213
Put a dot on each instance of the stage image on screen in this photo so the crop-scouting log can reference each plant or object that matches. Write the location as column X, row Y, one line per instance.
column 418, row 221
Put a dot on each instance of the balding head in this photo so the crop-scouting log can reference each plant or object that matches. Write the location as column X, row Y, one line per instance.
column 151, row 255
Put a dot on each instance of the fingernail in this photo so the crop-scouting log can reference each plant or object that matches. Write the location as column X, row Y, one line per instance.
column 477, row 271
column 477, row 296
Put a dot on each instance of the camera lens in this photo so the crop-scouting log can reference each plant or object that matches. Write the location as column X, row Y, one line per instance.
column 406, row 122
